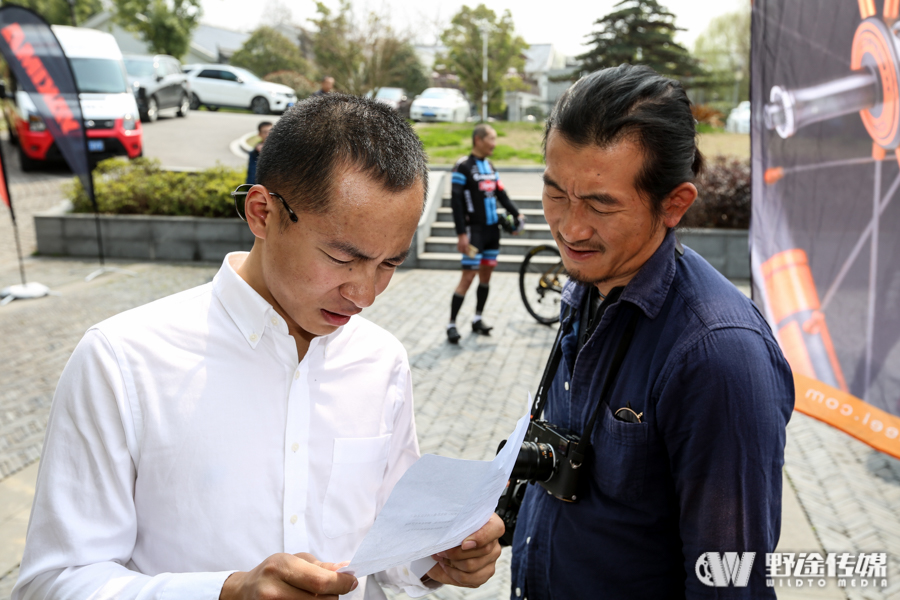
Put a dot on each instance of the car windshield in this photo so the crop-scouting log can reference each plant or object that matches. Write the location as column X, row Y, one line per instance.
column 139, row 67
column 389, row 94
column 245, row 74
column 438, row 93
column 99, row 75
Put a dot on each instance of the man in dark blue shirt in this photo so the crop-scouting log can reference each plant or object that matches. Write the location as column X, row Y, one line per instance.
column 686, row 456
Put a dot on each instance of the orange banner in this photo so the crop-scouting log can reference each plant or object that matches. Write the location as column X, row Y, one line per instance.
column 871, row 425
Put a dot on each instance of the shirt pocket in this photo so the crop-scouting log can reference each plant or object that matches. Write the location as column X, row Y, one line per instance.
column 357, row 471
column 620, row 457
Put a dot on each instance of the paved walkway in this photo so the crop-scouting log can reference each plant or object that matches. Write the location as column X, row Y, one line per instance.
column 467, row 397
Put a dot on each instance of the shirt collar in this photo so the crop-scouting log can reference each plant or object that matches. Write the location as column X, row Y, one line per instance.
column 249, row 311
column 647, row 290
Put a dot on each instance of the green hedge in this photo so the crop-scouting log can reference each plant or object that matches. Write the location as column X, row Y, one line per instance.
column 142, row 187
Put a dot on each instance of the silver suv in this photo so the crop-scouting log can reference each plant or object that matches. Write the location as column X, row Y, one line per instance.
column 158, row 84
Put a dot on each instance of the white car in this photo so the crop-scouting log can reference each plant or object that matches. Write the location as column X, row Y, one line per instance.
column 739, row 119
column 223, row 85
column 440, row 104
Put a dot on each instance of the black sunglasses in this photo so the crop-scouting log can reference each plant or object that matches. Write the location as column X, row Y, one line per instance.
column 240, row 195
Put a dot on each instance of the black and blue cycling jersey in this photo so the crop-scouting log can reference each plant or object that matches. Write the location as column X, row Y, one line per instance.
column 476, row 188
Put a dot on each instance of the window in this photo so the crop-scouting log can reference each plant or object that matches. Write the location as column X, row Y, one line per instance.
column 139, row 67
column 209, row 74
column 99, row 75
column 227, row 76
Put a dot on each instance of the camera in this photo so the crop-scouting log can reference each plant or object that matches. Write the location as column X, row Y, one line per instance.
column 544, row 458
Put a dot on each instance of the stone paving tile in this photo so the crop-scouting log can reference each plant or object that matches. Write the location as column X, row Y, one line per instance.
column 850, row 494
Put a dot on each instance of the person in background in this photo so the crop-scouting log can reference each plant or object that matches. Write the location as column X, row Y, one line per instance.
column 263, row 130
column 327, row 86
column 476, row 188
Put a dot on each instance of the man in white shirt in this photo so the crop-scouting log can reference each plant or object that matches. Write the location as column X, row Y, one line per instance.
column 221, row 442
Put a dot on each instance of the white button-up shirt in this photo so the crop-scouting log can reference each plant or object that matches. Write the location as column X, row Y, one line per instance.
column 187, row 441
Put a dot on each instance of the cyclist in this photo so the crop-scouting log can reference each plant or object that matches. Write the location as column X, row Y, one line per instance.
column 476, row 190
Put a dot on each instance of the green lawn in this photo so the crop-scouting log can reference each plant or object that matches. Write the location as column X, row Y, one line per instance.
column 517, row 143
column 520, row 143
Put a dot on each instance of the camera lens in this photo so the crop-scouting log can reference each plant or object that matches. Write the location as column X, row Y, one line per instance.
column 534, row 463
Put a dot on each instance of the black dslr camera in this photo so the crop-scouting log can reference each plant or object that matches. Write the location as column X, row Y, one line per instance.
column 544, row 459
column 552, row 456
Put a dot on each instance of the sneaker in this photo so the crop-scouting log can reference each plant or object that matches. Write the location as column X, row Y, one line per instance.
column 481, row 328
column 452, row 335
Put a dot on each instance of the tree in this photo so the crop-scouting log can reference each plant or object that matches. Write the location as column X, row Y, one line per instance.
column 464, row 56
column 57, row 12
column 267, row 51
column 363, row 54
column 639, row 32
column 166, row 25
column 724, row 50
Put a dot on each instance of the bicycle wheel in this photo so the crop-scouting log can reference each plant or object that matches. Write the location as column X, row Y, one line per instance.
column 541, row 280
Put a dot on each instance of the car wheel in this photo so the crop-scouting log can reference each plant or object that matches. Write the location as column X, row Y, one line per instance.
column 28, row 164
column 184, row 106
column 152, row 109
column 260, row 106
column 195, row 102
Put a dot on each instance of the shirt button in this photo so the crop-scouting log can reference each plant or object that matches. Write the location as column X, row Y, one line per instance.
column 567, row 386
column 253, row 337
column 528, row 540
column 518, row 592
column 274, row 321
column 296, row 374
column 293, row 519
column 295, row 447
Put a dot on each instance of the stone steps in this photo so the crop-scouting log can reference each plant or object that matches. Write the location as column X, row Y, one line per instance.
column 440, row 246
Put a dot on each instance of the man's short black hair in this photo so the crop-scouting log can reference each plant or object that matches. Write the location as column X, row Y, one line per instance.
column 318, row 137
column 480, row 131
column 638, row 104
column 263, row 124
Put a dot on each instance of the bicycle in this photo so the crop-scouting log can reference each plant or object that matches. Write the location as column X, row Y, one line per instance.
column 541, row 280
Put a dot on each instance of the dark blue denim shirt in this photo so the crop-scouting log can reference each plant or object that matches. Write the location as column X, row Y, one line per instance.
column 701, row 472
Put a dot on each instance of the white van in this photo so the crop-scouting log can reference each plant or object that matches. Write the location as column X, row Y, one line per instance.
column 110, row 112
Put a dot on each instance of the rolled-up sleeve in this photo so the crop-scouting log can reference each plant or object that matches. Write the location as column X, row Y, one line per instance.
column 722, row 414
column 83, row 523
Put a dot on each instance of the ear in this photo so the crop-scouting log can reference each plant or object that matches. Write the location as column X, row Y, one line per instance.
column 677, row 203
column 260, row 211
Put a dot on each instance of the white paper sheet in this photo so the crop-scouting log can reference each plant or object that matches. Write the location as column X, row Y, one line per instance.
column 437, row 503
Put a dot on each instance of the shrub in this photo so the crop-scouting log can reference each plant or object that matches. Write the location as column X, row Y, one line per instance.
column 707, row 115
column 142, row 187
column 301, row 85
column 724, row 195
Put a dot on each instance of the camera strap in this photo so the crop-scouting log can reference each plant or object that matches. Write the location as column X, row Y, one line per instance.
column 576, row 458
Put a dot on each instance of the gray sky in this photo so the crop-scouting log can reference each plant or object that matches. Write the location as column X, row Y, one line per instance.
column 563, row 23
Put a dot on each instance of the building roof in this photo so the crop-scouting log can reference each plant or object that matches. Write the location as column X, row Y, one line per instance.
column 540, row 58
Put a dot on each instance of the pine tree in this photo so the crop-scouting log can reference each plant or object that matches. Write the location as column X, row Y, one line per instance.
column 639, row 32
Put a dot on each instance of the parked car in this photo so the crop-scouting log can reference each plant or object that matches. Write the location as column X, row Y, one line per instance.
column 739, row 118
column 111, row 119
column 440, row 104
column 394, row 97
column 158, row 84
column 214, row 86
